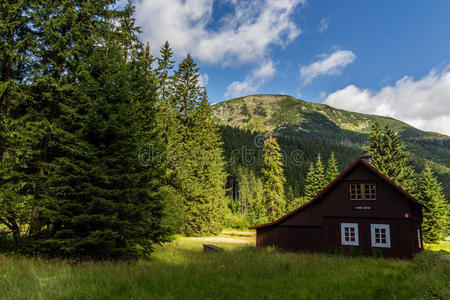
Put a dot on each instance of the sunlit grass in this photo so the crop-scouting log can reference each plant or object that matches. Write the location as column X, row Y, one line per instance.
column 441, row 246
column 181, row 270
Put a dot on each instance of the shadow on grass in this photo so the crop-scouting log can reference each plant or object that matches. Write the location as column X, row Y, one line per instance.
column 183, row 271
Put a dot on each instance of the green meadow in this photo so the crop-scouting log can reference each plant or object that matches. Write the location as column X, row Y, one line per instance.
column 181, row 270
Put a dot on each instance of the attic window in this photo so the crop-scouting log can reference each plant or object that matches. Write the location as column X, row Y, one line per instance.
column 370, row 191
column 363, row 191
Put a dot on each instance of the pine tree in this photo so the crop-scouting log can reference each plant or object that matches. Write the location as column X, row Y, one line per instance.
column 165, row 65
column 389, row 157
column 145, row 95
column 19, row 138
column 315, row 179
column 296, row 203
column 319, row 174
column 310, row 190
column 250, row 195
column 207, row 148
column 127, row 32
column 290, row 198
column 436, row 212
column 168, row 124
column 196, row 167
column 256, row 204
column 273, row 179
column 82, row 186
column 67, row 34
column 332, row 169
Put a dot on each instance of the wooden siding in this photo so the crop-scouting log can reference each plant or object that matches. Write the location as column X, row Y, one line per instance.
column 317, row 226
column 310, row 216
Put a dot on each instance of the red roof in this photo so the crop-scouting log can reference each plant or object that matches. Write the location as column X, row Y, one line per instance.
column 331, row 184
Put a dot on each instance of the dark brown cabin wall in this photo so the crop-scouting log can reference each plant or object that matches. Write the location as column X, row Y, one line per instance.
column 361, row 173
column 390, row 203
column 290, row 238
column 266, row 236
column 309, row 216
column 400, row 235
column 299, row 238
column 417, row 244
column 416, row 213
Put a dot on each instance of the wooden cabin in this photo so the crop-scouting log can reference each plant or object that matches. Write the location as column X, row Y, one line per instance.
column 360, row 211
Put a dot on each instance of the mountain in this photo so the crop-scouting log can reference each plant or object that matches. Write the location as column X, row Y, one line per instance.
column 322, row 129
column 297, row 118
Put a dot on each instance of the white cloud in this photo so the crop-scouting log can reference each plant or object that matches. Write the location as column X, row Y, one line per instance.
column 423, row 103
column 252, row 82
column 323, row 25
column 328, row 65
column 203, row 80
column 242, row 36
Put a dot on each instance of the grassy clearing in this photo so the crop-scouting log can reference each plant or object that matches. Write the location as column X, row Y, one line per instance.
column 180, row 270
column 442, row 247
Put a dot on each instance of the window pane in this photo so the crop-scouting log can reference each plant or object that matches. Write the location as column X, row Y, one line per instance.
column 370, row 191
column 355, row 191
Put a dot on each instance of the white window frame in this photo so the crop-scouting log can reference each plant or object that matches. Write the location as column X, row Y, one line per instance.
column 349, row 225
column 388, row 235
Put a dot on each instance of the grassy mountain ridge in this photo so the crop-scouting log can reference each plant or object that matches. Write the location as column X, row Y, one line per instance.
column 298, row 118
column 318, row 128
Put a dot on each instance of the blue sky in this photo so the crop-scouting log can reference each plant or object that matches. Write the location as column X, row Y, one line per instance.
column 383, row 57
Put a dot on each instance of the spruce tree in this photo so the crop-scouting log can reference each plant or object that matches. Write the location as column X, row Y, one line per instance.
column 151, row 145
column 389, row 156
column 19, row 137
column 168, row 122
column 290, row 198
column 319, row 174
column 436, row 212
column 81, row 183
column 273, row 180
column 250, row 195
column 126, row 33
column 68, row 33
column 196, row 167
column 332, row 169
column 100, row 200
column 165, row 65
column 310, row 189
column 206, row 146
column 315, row 179
column 296, row 203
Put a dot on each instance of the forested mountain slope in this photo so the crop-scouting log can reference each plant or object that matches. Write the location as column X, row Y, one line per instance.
column 318, row 128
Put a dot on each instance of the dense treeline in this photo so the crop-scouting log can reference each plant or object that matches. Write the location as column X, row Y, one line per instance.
column 245, row 158
column 100, row 141
column 242, row 147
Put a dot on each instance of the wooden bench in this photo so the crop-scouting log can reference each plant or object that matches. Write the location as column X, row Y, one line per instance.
column 209, row 248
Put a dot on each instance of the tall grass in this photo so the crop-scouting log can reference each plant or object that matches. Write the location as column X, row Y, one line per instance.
column 180, row 270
